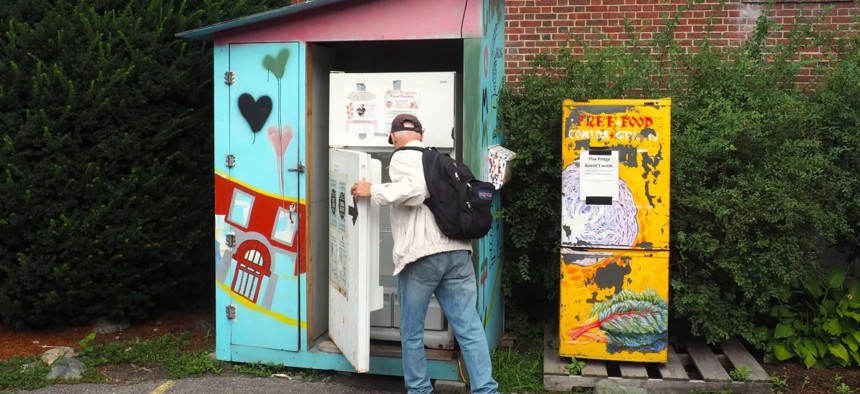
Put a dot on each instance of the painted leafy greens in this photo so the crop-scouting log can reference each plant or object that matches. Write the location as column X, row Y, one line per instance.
column 627, row 321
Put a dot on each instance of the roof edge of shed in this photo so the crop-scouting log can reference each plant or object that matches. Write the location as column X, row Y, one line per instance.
column 207, row 33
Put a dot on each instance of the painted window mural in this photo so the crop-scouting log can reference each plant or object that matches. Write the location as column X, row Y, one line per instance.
column 615, row 230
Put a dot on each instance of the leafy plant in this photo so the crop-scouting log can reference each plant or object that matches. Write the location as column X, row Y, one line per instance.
column 740, row 374
column 821, row 328
column 574, row 367
column 86, row 342
column 778, row 383
column 841, row 387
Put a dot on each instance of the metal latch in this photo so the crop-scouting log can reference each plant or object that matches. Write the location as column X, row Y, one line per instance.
column 231, row 312
column 231, row 240
column 229, row 77
column 299, row 168
column 231, row 161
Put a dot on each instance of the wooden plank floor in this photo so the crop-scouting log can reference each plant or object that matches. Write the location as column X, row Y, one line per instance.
column 739, row 357
column 706, row 362
column 708, row 373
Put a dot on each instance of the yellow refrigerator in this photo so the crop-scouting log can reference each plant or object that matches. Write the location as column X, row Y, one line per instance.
column 614, row 287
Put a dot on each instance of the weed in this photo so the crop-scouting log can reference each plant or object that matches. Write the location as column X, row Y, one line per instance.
column 779, row 384
column 86, row 343
column 805, row 382
column 258, row 370
column 575, row 366
column 841, row 387
column 740, row 374
column 265, row 370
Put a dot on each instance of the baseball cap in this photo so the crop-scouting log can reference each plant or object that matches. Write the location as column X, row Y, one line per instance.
column 398, row 125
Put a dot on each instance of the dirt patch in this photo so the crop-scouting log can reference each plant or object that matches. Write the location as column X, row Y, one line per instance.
column 130, row 373
column 798, row 379
column 28, row 343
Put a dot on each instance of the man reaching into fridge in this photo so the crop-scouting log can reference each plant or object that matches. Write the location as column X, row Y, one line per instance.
column 427, row 262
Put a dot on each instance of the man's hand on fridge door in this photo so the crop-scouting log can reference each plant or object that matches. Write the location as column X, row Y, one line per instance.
column 360, row 189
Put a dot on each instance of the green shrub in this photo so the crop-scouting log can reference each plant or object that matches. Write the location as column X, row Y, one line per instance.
column 105, row 158
column 760, row 167
column 531, row 117
column 821, row 327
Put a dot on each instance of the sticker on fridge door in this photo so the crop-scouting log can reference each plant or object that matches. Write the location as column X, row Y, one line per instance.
column 338, row 235
column 338, row 262
column 361, row 113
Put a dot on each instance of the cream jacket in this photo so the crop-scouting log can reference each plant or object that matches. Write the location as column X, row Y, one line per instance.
column 412, row 224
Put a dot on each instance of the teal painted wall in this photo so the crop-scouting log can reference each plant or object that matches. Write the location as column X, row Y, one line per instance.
column 483, row 77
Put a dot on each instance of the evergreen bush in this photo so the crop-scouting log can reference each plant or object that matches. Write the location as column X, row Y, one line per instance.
column 760, row 167
column 105, row 158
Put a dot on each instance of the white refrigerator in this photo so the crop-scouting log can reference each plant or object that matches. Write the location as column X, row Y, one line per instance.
column 362, row 289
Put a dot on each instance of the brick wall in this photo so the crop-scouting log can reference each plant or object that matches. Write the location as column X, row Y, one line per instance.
column 540, row 26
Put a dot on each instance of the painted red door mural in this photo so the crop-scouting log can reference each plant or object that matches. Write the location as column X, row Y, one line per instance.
column 253, row 263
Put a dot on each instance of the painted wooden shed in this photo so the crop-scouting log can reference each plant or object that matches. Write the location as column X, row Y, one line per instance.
column 271, row 102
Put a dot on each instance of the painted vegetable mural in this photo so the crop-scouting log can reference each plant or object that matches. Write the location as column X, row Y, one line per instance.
column 627, row 321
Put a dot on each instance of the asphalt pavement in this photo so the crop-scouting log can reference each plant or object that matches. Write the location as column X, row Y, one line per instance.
column 216, row 384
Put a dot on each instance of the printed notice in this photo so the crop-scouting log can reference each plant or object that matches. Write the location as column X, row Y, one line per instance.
column 598, row 175
column 361, row 113
column 400, row 102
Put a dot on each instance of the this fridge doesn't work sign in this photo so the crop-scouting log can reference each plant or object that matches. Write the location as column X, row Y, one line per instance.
column 598, row 175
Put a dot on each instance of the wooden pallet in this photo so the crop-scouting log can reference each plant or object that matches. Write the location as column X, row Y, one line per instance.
column 691, row 367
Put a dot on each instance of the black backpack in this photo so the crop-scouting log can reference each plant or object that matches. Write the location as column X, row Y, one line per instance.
column 460, row 203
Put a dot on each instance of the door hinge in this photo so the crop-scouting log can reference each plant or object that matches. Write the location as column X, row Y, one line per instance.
column 231, row 312
column 231, row 240
column 231, row 161
column 229, row 77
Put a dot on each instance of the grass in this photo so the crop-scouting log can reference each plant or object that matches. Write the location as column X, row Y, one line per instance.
column 17, row 374
column 171, row 352
column 519, row 371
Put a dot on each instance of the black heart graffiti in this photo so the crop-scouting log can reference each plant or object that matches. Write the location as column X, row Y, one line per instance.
column 255, row 111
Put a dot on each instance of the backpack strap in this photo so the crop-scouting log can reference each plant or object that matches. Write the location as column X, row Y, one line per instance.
column 415, row 148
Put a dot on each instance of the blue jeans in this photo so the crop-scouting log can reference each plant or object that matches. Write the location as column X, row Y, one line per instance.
column 451, row 277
